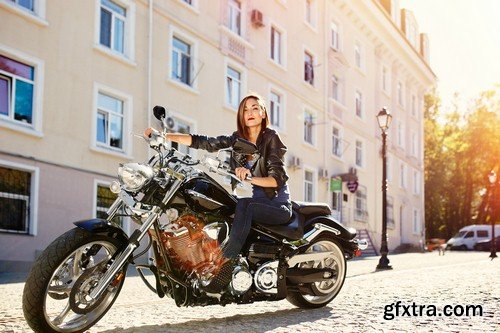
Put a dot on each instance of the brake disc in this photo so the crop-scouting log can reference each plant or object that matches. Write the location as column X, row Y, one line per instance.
column 79, row 298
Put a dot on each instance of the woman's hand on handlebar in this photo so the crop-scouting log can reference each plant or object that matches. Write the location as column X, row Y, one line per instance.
column 148, row 132
column 242, row 173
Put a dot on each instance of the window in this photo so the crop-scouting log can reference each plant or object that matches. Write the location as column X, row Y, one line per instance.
column 110, row 121
column 308, row 127
column 310, row 12
column 104, row 200
column 336, row 142
column 335, row 37
column 308, row 68
column 359, row 104
column 112, row 31
column 189, row 2
column 360, row 212
column 414, row 144
column 234, row 17
column 233, row 87
column 358, row 60
column 470, row 234
column 335, row 88
column 389, row 167
column 308, row 186
column 482, row 233
column 276, row 109
column 359, row 153
column 413, row 106
column 181, row 127
column 181, row 61
column 27, row 4
column 17, row 85
column 16, row 200
column 401, row 134
column 276, row 46
column 402, row 175
column 416, row 182
column 416, row 222
column 400, row 93
column 390, row 212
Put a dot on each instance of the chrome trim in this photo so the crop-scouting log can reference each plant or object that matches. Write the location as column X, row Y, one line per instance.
column 319, row 228
column 202, row 196
column 114, row 207
column 302, row 258
column 123, row 257
column 362, row 244
column 273, row 266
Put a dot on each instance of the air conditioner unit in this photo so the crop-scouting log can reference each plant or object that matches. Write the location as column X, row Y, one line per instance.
column 295, row 163
column 323, row 173
column 257, row 18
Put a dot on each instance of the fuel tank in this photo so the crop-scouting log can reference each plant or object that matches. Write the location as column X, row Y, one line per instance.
column 203, row 194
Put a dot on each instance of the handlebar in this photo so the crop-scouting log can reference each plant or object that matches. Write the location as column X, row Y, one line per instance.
column 157, row 140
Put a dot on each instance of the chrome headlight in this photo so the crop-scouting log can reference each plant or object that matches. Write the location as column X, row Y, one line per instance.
column 133, row 176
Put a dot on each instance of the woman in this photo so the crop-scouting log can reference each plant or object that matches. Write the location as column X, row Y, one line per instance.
column 270, row 202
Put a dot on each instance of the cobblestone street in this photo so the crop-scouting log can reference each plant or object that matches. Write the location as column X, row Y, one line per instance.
column 458, row 278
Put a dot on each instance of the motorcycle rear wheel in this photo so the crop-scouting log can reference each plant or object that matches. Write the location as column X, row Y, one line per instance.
column 327, row 290
column 56, row 293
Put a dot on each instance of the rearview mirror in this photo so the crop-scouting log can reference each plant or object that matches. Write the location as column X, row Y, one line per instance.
column 243, row 146
column 160, row 113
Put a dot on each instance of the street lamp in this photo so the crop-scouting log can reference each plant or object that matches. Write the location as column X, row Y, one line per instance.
column 384, row 119
column 492, row 177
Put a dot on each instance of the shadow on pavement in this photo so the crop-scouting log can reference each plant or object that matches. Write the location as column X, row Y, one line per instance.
column 237, row 323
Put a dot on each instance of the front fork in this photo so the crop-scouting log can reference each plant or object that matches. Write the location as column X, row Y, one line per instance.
column 134, row 240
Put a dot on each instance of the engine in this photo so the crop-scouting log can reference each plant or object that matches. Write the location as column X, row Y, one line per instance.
column 191, row 247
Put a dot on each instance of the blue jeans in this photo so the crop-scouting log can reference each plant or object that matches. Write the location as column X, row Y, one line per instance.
column 261, row 210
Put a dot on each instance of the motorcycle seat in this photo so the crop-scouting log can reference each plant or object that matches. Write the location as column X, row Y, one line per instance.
column 311, row 208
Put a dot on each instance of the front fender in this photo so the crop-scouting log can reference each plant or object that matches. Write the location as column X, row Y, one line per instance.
column 103, row 227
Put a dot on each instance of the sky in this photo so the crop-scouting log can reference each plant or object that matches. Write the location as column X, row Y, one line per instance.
column 464, row 39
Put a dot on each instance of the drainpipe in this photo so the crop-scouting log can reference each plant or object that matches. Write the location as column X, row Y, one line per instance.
column 326, row 121
column 150, row 64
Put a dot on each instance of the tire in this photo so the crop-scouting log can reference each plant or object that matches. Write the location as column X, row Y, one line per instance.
column 329, row 289
column 62, row 276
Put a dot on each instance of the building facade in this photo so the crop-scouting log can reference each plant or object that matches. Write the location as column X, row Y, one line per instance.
column 78, row 78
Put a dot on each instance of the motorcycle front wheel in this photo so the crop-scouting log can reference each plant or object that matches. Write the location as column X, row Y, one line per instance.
column 56, row 294
column 325, row 291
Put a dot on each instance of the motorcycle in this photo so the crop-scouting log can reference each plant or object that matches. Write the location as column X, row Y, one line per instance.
column 187, row 217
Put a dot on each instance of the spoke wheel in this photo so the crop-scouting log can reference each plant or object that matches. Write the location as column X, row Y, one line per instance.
column 324, row 291
column 56, row 295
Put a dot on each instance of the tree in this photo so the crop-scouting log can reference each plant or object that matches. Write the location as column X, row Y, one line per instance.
column 459, row 154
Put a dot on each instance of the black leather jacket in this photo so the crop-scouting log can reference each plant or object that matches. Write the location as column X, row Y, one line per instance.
column 268, row 162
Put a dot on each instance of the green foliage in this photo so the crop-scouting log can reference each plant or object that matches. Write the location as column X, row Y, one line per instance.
column 459, row 154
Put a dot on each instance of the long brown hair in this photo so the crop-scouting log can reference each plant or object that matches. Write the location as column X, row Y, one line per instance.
column 240, row 119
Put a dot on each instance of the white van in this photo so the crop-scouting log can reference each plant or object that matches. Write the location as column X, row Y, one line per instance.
column 468, row 236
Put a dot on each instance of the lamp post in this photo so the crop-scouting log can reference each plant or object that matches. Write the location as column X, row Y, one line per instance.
column 384, row 119
column 492, row 177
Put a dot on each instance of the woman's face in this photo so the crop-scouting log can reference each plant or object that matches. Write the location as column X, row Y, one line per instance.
column 253, row 113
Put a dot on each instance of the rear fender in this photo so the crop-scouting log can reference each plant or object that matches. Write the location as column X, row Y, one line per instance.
column 345, row 236
column 103, row 227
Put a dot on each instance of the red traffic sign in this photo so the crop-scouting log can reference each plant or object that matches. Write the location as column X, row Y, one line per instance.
column 352, row 186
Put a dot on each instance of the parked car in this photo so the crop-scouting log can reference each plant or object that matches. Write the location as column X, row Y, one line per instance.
column 485, row 245
column 468, row 236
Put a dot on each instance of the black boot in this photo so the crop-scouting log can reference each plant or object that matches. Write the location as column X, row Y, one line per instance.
column 222, row 279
